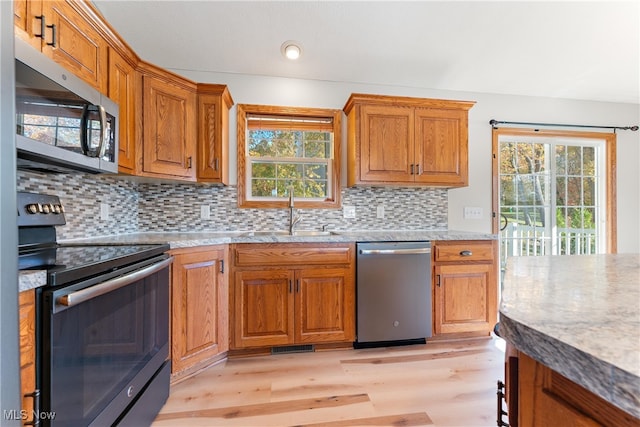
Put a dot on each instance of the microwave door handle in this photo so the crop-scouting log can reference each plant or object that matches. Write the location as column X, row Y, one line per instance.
column 84, row 135
column 103, row 131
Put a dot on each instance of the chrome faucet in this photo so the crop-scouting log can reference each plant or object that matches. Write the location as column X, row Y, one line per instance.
column 293, row 220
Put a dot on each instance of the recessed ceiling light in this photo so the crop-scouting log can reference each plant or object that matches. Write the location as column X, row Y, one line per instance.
column 291, row 50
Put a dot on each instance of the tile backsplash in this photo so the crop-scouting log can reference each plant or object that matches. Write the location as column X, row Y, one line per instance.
column 142, row 206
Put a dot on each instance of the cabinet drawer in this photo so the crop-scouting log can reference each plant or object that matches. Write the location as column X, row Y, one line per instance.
column 464, row 251
column 273, row 254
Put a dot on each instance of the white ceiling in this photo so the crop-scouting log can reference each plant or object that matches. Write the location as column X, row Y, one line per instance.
column 561, row 49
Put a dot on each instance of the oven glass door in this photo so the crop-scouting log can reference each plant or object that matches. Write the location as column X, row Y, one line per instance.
column 93, row 350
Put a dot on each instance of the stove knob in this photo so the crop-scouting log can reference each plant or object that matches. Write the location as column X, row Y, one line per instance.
column 61, row 207
column 57, row 209
column 32, row 208
column 46, row 209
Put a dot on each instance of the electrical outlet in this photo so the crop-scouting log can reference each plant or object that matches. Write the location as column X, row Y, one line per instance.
column 348, row 211
column 205, row 212
column 472, row 212
column 380, row 212
column 104, row 211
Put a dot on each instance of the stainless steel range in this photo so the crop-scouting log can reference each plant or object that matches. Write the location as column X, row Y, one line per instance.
column 102, row 323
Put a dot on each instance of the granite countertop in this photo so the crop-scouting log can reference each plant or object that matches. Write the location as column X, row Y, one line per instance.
column 186, row 240
column 580, row 316
column 33, row 278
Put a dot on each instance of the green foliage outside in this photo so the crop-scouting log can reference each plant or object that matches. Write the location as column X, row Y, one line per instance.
column 280, row 159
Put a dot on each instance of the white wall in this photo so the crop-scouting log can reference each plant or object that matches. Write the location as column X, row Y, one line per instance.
column 247, row 89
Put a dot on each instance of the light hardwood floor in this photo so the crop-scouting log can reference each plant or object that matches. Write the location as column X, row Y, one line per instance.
column 437, row 384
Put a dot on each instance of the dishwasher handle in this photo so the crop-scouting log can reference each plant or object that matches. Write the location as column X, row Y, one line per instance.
column 412, row 251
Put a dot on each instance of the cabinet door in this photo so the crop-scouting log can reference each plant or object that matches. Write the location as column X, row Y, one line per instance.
column 325, row 305
column 169, row 129
column 122, row 90
column 27, row 15
column 441, row 146
column 27, row 310
column 386, row 144
column 213, row 134
column 199, row 308
column 78, row 46
column 264, row 308
column 464, row 298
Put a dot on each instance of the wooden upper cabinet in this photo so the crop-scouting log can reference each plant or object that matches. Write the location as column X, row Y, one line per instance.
column 122, row 89
column 78, row 46
column 169, row 128
column 214, row 102
column 386, row 146
column 27, row 21
column 408, row 141
column 69, row 37
column 441, row 137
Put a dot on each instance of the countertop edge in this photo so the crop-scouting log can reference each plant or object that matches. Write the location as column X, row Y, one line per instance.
column 611, row 383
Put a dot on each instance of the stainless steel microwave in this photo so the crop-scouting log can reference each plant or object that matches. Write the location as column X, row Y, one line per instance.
column 62, row 123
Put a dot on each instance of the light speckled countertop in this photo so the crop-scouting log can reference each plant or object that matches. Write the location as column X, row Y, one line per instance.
column 32, row 279
column 580, row 316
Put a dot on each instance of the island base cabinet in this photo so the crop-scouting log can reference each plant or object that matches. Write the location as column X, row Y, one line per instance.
column 546, row 398
column 199, row 308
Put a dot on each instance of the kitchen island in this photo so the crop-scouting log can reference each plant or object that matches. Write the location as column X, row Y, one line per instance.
column 579, row 316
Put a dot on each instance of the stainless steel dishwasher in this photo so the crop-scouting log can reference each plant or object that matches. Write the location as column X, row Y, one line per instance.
column 393, row 285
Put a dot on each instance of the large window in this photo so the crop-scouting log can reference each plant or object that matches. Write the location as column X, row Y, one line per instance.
column 555, row 192
column 283, row 149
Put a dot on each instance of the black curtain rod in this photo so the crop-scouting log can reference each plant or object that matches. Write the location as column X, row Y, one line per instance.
column 494, row 123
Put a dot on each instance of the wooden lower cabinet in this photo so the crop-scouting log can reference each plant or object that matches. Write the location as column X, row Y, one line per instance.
column 199, row 308
column 27, row 325
column 292, row 303
column 546, row 398
column 465, row 287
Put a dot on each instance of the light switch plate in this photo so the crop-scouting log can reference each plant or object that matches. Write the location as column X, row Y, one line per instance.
column 104, row 211
column 380, row 212
column 205, row 212
column 348, row 211
column 472, row 212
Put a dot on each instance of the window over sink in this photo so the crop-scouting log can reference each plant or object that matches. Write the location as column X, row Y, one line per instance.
column 280, row 148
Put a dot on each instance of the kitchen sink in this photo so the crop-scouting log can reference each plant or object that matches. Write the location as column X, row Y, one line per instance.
column 286, row 233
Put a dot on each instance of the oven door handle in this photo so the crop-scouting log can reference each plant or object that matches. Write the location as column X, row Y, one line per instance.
column 78, row 297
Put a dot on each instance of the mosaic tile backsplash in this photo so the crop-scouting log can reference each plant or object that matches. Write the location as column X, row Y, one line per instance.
column 167, row 207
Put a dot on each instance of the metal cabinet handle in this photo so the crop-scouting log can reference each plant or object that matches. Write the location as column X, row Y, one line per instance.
column 412, row 170
column 43, row 26
column 53, row 35
column 297, row 286
column 216, row 164
column 189, row 161
column 466, row 253
column 36, row 408
column 438, row 280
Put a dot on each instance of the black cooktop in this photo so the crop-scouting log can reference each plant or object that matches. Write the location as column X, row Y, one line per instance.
column 66, row 263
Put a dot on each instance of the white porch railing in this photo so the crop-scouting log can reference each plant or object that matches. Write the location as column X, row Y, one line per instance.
column 526, row 240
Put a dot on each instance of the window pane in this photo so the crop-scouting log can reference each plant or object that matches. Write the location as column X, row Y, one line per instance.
column 561, row 159
column 589, row 161
column 574, row 191
column 589, row 189
column 260, row 144
column 561, row 191
column 574, row 160
column 507, row 190
column 315, row 171
column 263, row 187
column 289, row 171
column 574, row 218
column 315, row 188
column 263, row 170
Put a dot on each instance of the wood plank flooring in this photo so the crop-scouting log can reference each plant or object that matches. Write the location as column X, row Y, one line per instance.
column 436, row 384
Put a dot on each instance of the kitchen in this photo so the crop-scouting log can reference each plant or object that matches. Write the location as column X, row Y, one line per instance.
column 133, row 206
